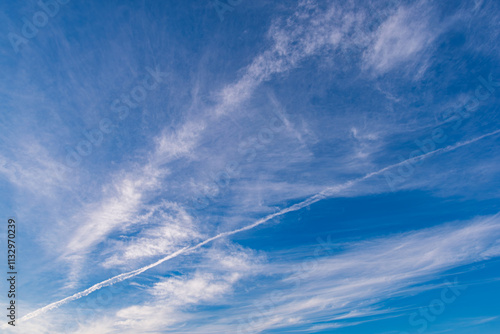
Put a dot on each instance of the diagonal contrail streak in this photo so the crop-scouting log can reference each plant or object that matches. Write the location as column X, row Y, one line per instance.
column 329, row 191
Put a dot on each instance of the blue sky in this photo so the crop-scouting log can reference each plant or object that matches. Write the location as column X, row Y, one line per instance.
column 252, row 166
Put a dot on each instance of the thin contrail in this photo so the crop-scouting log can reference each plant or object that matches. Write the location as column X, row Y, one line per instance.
column 311, row 200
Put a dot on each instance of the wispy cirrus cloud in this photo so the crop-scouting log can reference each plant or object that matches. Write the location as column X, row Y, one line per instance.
column 163, row 229
column 405, row 37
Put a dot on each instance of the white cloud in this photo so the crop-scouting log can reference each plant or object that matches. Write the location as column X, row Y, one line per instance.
column 173, row 297
column 117, row 210
column 304, row 34
column 33, row 169
column 402, row 38
column 167, row 226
